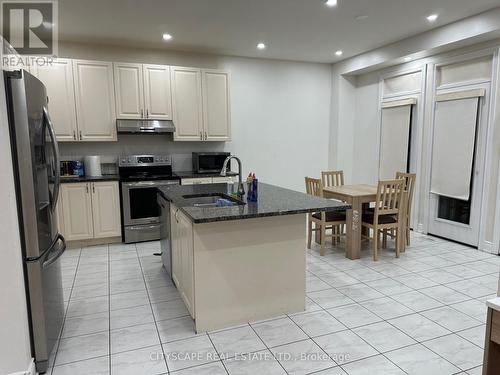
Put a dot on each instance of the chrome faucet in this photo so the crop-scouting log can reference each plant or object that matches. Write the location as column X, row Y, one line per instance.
column 241, row 190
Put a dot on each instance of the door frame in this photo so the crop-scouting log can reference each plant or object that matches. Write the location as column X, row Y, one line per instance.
column 487, row 129
column 417, row 126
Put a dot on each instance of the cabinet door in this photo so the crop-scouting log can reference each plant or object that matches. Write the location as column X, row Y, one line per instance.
column 187, row 266
column 187, row 104
column 129, row 90
column 216, row 108
column 157, row 92
column 58, row 80
column 95, row 100
column 77, row 211
column 106, row 209
column 176, row 254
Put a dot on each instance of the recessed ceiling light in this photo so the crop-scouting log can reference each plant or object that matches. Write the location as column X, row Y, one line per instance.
column 361, row 17
column 432, row 17
column 331, row 3
column 338, row 53
column 261, row 46
column 407, row 58
column 167, row 36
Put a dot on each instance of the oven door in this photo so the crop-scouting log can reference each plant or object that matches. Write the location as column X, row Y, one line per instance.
column 139, row 201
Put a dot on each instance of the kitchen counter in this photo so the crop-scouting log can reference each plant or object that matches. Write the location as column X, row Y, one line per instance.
column 191, row 174
column 110, row 177
column 272, row 201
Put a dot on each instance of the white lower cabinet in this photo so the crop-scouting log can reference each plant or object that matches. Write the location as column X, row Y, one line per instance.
column 77, row 211
column 106, row 209
column 89, row 210
column 183, row 256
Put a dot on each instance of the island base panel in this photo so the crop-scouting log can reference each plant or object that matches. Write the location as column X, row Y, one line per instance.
column 248, row 270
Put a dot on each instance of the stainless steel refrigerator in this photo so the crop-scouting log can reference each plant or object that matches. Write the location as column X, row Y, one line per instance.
column 37, row 177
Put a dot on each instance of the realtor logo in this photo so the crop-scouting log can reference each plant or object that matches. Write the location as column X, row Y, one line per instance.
column 30, row 27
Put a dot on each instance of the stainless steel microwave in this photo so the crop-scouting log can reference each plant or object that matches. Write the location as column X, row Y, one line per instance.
column 209, row 162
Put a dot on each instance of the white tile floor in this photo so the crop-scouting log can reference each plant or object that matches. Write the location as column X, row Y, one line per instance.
column 421, row 314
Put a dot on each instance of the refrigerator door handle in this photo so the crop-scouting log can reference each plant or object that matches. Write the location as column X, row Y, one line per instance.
column 57, row 172
column 47, row 262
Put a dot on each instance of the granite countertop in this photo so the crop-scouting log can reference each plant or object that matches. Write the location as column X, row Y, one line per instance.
column 109, row 177
column 494, row 303
column 191, row 174
column 272, row 201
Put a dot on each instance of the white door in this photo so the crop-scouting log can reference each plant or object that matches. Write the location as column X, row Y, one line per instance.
column 58, row 80
column 77, row 211
column 187, row 104
column 157, row 92
column 450, row 217
column 129, row 90
column 216, row 109
column 95, row 100
column 106, row 209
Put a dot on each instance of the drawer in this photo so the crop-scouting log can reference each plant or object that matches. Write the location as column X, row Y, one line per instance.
column 495, row 327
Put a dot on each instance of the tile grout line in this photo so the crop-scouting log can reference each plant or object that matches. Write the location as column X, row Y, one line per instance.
column 152, row 311
column 65, row 314
column 267, row 348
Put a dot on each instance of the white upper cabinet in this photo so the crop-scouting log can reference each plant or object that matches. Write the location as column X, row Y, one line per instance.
column 142, row 91
column 216, row 108
column 95, row 100
column 129, row 90
column 157, row 94
column 187, row 104
column 58, row 80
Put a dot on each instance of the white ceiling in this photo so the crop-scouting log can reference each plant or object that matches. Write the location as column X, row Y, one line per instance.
column 304, row 30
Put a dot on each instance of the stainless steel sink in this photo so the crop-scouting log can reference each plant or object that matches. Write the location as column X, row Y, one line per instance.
column 210, row 199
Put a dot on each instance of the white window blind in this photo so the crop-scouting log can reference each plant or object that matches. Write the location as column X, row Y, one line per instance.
column 453, row 144
column 394, row 138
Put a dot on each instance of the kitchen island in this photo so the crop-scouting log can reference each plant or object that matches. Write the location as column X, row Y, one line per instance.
column 244, row 262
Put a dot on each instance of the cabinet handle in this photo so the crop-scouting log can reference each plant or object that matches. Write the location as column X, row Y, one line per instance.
column 176, row 217
column 206, row 137
column 81, row 135
column 74, row 135
column 87, row 188
column 147, row 113
column 142, row 113
column 93, row 188
column 201, row 136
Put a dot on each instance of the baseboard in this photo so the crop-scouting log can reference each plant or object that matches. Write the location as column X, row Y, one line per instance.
column 489, row 247
column 30, row 371
column 93, row 242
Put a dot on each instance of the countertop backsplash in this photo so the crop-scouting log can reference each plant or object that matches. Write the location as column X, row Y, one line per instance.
column 181, row 152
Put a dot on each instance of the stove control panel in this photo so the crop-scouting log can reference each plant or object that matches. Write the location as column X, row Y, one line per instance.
column 144, row 160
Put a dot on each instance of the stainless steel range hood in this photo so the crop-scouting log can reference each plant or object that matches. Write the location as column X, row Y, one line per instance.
column 145, row 126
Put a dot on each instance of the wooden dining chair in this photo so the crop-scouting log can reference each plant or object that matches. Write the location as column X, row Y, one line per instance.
column 322, row 220
column 387, row 213
column 334, row 178
column 408, row 188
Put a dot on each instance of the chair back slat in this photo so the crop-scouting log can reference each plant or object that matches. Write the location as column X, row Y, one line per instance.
column 332, row 178
column 314, row 186
column 389, row 197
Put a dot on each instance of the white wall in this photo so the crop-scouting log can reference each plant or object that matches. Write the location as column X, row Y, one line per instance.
column 15, row 353
column 280, row 114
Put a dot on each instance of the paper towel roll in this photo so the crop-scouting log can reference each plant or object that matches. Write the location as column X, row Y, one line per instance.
column 92, row 165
